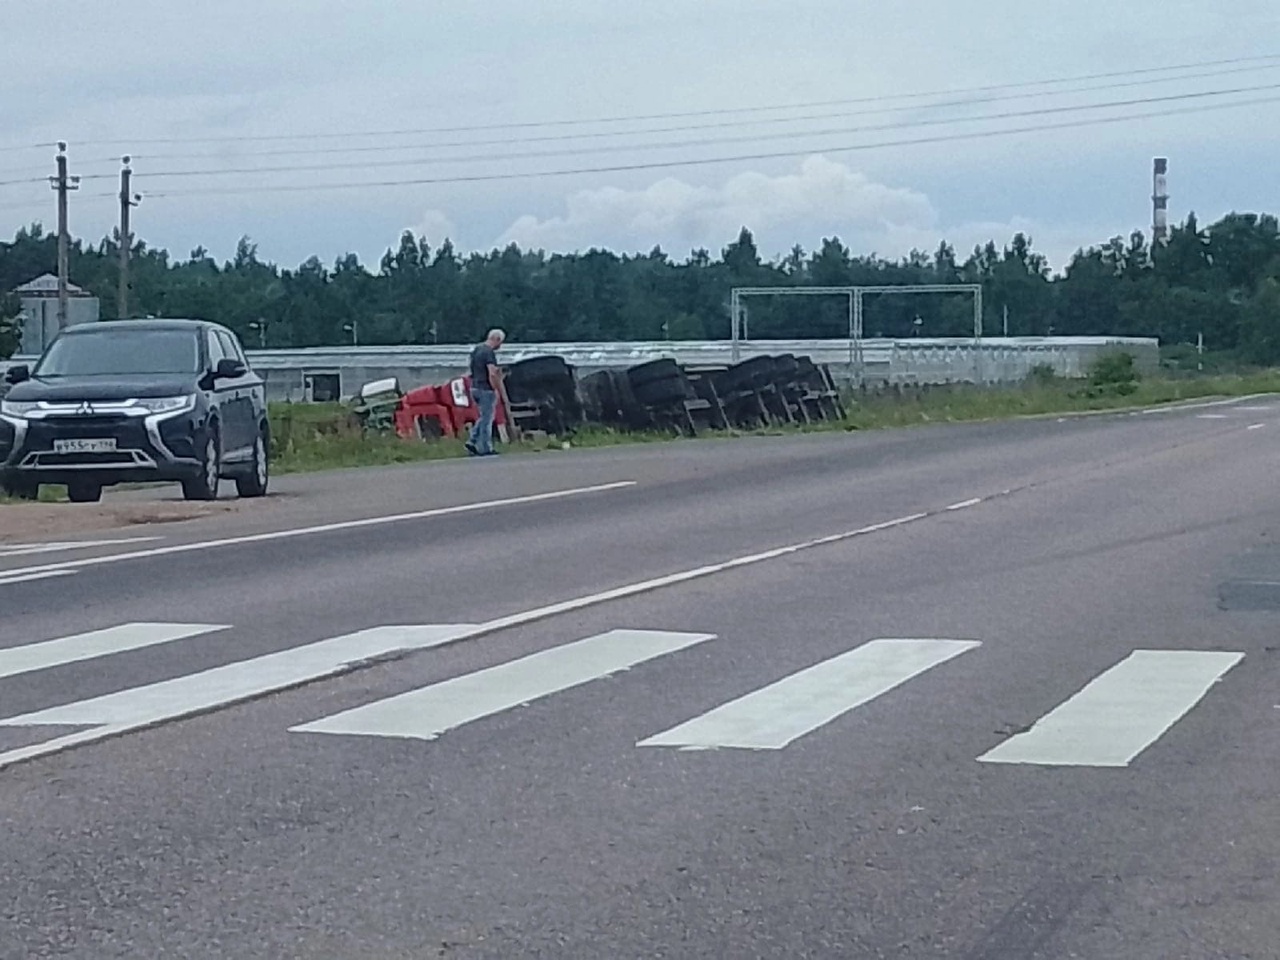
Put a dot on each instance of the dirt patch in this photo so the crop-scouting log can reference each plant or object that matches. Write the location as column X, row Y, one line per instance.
column 38, row 521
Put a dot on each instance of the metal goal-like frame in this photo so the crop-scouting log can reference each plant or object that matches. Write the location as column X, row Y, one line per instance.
column 855, row 295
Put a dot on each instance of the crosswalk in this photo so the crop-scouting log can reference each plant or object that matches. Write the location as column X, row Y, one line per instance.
column 1113, row 719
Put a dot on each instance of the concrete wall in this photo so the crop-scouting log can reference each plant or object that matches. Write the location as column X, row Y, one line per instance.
column 295, row 374
column 301, row 375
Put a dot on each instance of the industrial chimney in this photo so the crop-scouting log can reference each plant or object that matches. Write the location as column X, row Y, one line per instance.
column 1160, row 202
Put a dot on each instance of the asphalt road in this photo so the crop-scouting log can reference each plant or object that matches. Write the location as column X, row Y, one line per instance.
column 1013, row 695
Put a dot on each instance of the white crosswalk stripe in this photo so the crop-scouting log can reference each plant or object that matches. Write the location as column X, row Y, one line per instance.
column 772, row 717
column 426, row 713
column 138, row 707
column 1121, row 713
column 1112, row 720
column 98, row 643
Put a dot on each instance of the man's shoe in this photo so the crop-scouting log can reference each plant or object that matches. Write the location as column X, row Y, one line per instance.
column 471, row 450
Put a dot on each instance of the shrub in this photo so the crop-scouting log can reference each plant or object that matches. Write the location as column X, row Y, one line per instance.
column 1114, row 373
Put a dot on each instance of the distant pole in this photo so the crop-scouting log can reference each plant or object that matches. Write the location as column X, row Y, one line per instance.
column 63, row 185
column 127, row 201
column 1200, row 351
column 1006, row 321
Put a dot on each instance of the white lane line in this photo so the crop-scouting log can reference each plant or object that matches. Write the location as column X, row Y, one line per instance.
column 27, row 578
column 965, row 504
column 98, row 643
column 139, row 707
column 774, row 716
column 321, row 528
column 1212, row 416
column 1121, row 712
column 1255, row 426
column 1231, row 401
column 26, row 549
column 426, row 713
column 542, row 613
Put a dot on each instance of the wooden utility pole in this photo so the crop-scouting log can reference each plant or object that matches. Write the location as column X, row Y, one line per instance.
column 127, row 201
column 63, row 185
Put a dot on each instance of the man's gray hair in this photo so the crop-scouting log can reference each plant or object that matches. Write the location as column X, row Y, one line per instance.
column 496, row 334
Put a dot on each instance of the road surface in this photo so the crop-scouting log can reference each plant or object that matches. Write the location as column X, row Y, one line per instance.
column 986, row 692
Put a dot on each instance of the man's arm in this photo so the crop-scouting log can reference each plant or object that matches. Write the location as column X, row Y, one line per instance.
column 495, row 378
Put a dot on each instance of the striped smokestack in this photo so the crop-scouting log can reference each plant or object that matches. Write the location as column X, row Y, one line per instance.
column 1160, row 202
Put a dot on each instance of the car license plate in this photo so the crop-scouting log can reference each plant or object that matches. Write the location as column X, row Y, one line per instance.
column 87, row 445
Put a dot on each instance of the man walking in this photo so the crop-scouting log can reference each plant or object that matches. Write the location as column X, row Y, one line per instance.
column 486, row 388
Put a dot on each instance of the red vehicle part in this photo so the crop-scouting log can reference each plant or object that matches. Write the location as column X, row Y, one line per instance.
column 445, row 410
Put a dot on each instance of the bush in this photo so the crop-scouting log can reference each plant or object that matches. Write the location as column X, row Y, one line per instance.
column 1114, row 373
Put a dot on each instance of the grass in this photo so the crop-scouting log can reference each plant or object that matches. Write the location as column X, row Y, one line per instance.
column 312, row 437
column 322, row 436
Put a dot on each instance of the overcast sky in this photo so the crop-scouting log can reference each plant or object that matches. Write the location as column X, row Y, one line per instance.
column 108, row 78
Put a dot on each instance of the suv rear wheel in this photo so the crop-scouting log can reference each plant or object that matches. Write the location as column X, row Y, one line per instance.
column 204, row 486
column 254, row 483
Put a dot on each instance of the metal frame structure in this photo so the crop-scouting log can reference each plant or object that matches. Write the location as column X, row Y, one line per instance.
column 855, row 295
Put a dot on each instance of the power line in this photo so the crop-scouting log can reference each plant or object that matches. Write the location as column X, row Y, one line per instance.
column 902, row 97
column 610, row 134
column 713, row 141
column 709, row 161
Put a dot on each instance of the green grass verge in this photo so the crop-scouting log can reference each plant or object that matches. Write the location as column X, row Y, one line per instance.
column 311, row 437
column 322, row 436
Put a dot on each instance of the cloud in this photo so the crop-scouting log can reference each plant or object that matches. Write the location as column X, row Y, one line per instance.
column 436, row 226
column 823, row 198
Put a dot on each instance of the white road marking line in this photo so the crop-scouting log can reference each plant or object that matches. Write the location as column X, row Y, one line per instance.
column 684, row 576
column 1231, row 401
column 426, row 713
column 1212, row 416
column 1255, row 426
column 98, row 643
column 27, row 578
column 1121, row 712
column 1259, row 409
column 321, row 528
column 25, row 549
column 965, row 504
column 527, row 617
column 774, row 716
column 139, row 707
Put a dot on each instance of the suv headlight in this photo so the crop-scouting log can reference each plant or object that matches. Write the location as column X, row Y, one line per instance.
column 14, row 408
column 167, row 404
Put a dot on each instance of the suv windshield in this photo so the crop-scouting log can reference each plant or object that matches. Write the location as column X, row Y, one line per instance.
column 120, row 353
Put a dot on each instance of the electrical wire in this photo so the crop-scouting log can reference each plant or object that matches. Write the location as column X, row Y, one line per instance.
column 634, row 118
column 709, row 161
column 713, row 141
column 727, row 124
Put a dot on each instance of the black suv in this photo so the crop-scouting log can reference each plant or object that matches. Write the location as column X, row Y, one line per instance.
column 136, row 400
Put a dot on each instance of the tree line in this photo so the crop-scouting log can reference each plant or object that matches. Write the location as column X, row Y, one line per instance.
column 1221, row 281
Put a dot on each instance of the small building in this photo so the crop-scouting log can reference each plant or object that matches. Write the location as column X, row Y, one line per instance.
column 39, row 317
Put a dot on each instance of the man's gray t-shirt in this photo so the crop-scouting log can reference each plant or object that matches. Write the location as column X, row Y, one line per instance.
column 481, row 357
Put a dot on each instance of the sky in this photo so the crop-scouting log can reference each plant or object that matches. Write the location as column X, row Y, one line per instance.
column 813, row 115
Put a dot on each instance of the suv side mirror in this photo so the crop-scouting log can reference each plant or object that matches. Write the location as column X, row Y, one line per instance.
column 229, row 369
column 18, row 373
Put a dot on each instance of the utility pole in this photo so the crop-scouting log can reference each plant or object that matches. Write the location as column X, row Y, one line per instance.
column 127, row 201
column 63, row 184
column 1006, row 321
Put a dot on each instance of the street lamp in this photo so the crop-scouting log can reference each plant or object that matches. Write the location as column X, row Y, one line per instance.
column 261, row 326
column 353, row 328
